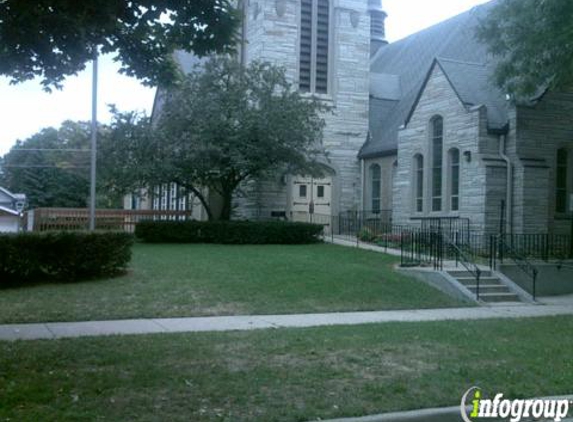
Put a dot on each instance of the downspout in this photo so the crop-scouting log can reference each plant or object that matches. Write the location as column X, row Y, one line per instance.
column 362, row 181
column 509, row 183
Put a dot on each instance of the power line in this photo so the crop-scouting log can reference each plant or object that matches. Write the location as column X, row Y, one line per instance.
column 52, row 149
column 41, row 166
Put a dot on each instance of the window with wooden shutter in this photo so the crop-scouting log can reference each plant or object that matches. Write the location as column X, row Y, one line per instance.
column 314, row 46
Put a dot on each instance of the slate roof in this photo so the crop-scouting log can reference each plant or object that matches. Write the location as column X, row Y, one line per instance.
column 399, row 70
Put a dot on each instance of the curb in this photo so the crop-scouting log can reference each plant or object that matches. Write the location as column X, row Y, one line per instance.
column 443, row 414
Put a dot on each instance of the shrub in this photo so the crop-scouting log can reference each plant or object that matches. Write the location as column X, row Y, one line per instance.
column 65, row 256
column 366, row 235
column 228, row 232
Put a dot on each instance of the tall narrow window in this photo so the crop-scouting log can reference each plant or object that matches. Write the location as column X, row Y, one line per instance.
column 437, row 150
column 375, row 185
column 314, row 46
column 419, row 183
column 454, row 179
column 561, row 181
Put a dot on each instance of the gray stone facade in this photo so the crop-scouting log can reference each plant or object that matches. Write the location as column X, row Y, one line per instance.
column 533, row 135
column 507, row 152
column 275, row 39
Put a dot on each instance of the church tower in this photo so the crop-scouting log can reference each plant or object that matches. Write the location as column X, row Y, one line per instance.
column 377, row 26
column 324, row 45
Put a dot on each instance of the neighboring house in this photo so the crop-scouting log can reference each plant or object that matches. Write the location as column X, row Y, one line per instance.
column 11, row 206
column 419, row 130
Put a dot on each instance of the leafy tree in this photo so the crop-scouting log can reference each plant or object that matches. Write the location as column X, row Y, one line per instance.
column 224, row 125
column 534, row 42
column 52, row 167
column 55, row 38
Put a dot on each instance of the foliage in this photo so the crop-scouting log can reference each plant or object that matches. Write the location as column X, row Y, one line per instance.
column 225, row 125
column 55, row 38
column 64, row 256
column 126, row 155
column 534, row 42
column 228, row 232
column 366, row 234
column 52, row 167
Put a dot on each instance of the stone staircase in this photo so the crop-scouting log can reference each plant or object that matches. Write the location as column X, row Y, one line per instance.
column 491, row 289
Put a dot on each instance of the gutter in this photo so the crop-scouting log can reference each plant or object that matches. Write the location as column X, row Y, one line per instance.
column 509, row 183
column 362, row 184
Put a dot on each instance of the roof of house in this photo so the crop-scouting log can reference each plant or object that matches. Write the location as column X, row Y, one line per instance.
column 6, row 210
column 399, row 71
column 8, row 193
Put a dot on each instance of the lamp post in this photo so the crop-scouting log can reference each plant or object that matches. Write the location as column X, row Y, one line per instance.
column 93, row 155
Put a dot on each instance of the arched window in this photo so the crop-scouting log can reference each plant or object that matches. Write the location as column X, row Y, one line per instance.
column 561, row 181
column 375, row 186
column 454, row 178
column 437, row 124
column 419, row 183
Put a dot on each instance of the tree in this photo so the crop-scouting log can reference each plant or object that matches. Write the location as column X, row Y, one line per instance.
column 53, row 39
column 533, row 40
column 52, row 167
column 225, row 125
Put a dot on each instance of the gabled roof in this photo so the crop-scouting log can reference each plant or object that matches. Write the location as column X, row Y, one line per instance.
column 7, row 210
column 187, row 62
column 8, row 193
column 472, row 85
column 409, row 60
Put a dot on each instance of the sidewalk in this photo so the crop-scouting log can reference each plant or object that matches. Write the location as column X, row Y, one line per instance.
column 351, row 241
column 54, row 330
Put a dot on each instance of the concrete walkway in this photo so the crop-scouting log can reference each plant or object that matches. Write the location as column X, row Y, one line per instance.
column 54, row 330
column 351, row 241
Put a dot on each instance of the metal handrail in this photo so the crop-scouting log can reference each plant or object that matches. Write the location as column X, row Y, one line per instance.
column 560, row 264
column 521, row 261
column 468, row 264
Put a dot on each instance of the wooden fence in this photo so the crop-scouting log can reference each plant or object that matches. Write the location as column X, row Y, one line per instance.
column 43, row 219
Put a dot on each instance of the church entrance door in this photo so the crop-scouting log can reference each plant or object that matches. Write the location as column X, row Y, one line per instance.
column 311, row 199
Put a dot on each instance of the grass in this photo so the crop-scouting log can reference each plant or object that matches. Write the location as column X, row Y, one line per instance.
column 193, row 280
column 283, row 375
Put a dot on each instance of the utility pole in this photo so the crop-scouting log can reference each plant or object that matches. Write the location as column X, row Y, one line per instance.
column 93, row 145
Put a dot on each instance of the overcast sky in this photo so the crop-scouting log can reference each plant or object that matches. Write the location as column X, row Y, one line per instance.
column 25, row 108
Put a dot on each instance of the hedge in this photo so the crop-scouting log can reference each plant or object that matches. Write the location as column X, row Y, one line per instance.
column 64, row 256
column 228, row 232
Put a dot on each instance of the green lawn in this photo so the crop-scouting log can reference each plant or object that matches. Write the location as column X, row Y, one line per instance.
column 285, row 374
column 192, row 280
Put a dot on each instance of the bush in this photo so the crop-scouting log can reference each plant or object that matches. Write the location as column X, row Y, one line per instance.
column 228, row 232
column 65, row 256
column 366, row 235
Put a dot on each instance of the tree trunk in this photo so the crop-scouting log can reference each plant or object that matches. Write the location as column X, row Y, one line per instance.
column 227, row 197
column 202, row 199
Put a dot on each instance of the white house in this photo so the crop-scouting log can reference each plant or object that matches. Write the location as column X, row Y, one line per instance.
column 11, row 206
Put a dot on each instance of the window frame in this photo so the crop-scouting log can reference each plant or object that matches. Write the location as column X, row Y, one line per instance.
column 565, row 189
column 454, row 183
column 419, row 185
column 375, row 188
column 437, row 164
column 314, row 49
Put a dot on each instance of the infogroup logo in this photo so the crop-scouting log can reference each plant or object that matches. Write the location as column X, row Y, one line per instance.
column 512, row 410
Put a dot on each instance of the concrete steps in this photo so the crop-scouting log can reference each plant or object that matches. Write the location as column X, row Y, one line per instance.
column 491, row 289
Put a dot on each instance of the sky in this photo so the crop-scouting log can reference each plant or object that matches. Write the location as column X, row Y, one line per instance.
column 25, row 108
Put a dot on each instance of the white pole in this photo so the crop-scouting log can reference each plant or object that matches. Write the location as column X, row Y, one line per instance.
column 93, row 146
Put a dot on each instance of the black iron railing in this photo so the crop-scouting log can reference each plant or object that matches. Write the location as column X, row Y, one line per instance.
column 462, row 258
column 501, row 250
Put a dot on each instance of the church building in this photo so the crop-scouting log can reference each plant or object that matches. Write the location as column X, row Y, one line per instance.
column 418, row 131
